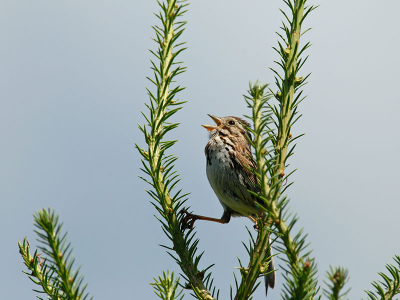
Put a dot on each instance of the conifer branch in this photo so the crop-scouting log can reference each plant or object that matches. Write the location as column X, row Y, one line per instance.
column 337, row 277
column 54, row 272
column 35, row 266
column 156, row 163
column 258, row 264
column 259, row 260
column 167, row 288
column 273, row 146
column 390, row 285
column 272, row 130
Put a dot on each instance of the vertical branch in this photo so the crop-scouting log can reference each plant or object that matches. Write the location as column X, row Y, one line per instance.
column 258, row 264
column 301, row 282
column 156, row 163
column 337, row 277
column 167, row 288
column 261, row 119
column 288, row 86
column 259, row 260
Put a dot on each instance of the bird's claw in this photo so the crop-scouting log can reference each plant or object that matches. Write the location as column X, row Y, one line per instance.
column 256, row 227
column 188, row 219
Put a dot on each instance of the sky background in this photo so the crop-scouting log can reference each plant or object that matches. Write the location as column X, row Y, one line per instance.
column 72, row 84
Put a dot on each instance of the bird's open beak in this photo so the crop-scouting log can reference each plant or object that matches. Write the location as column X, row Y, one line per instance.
column 212, row 127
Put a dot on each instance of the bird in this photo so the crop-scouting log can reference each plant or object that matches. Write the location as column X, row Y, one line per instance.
column 229, row 162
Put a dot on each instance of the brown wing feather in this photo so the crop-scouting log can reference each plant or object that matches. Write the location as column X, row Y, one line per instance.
column 243, row 163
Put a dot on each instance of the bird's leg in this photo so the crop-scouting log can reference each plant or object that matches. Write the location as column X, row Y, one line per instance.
column 189, row 219
column 255, row 221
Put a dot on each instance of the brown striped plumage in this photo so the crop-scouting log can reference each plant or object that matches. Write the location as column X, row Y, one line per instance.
column 228, row 164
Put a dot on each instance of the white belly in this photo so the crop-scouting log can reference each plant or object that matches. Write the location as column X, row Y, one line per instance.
column 226, row 183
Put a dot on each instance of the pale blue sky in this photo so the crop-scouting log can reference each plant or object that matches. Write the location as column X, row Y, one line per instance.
column 72, row 83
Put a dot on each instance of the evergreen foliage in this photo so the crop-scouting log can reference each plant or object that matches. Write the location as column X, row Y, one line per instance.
column 337, row 277
column 273, row 115
column 54, row 272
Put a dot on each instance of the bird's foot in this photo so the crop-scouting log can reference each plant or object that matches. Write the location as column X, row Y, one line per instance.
column 188, row 219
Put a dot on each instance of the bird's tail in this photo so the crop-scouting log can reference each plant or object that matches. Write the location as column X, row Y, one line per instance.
column 270, row 278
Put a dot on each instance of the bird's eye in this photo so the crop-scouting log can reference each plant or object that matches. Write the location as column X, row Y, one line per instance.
column 231, row 122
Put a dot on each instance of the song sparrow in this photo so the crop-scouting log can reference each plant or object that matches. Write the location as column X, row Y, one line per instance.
column 228, row 159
